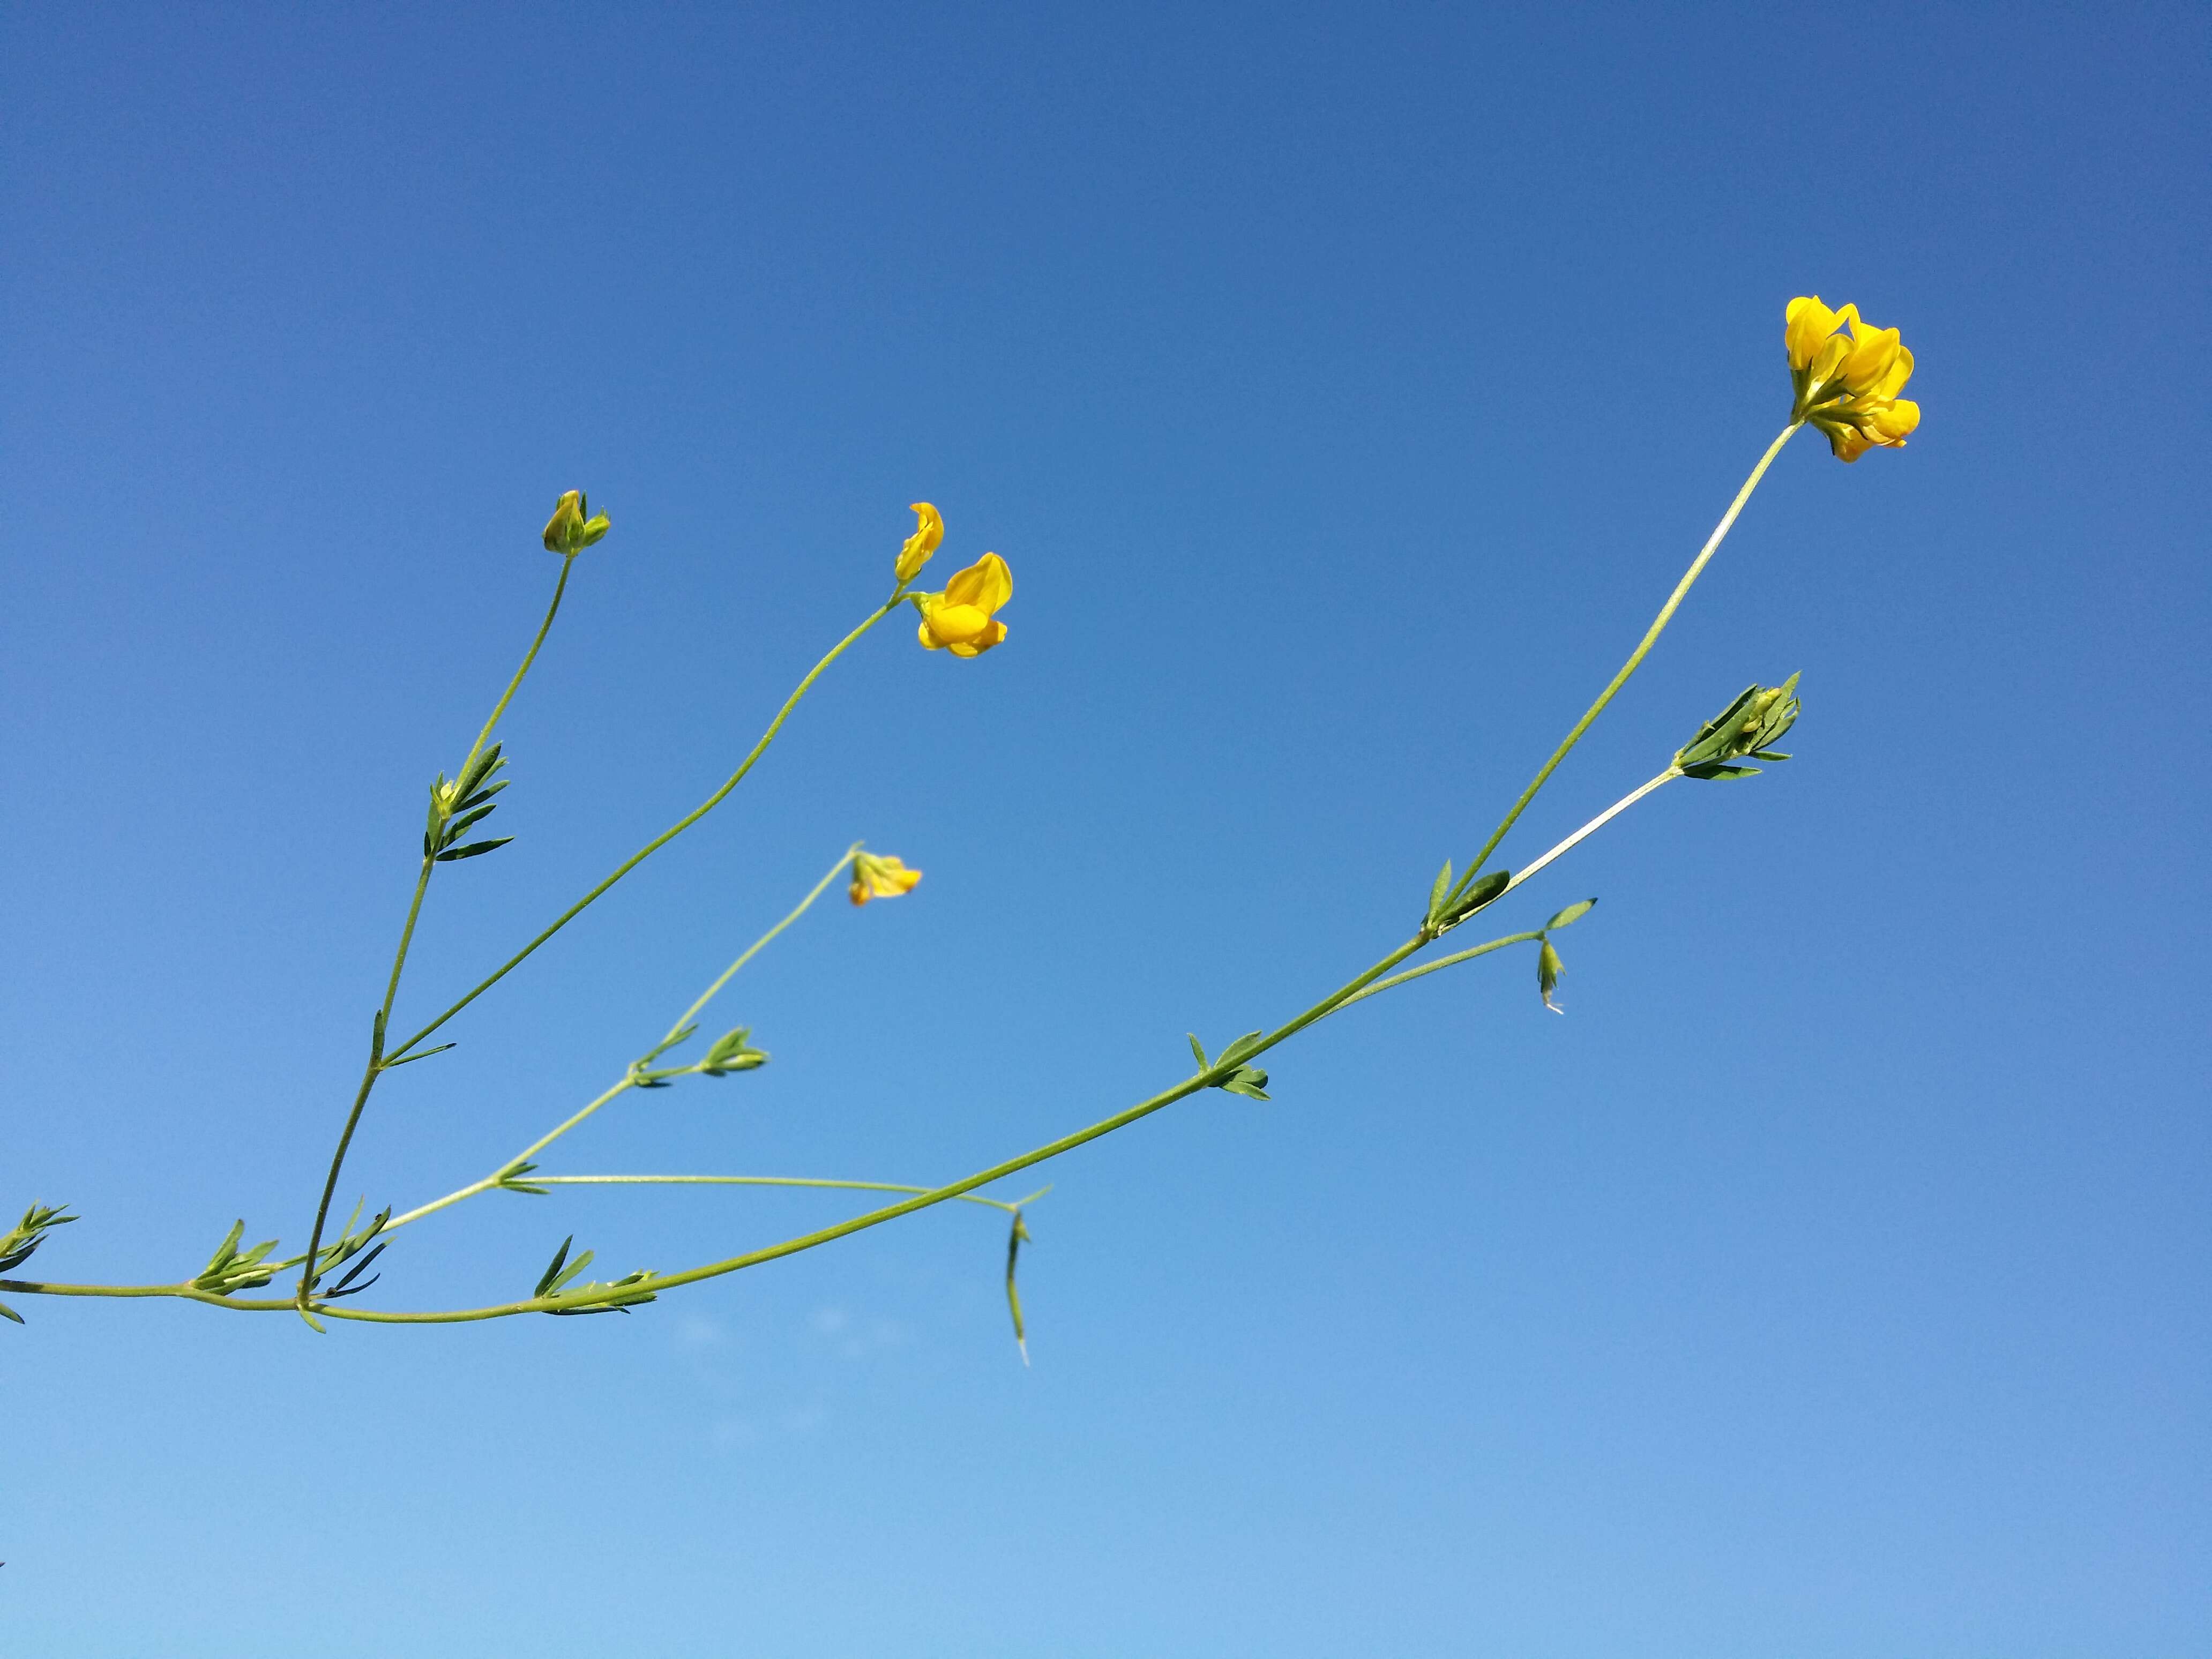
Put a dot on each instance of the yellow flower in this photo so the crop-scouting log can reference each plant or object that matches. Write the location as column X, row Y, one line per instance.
column 919, row 546
column 1847, row 386
column 880, row 878
column 568, row 533
column 960, row 619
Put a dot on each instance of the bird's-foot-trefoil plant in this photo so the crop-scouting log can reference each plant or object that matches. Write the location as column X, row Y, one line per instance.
column 1845, row 374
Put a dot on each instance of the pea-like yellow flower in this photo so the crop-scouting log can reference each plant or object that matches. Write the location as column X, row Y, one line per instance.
column 568, row 532
column 960, row 619
column 1847, row 386
column 877, row 878
column 919, row 546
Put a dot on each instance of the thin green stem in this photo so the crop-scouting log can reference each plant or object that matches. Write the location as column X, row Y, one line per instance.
column 629, row 1081
column 667, row 836
column 758, row 1181
column 376, row 1056
column 755, row 949
column 1451, row 961
column 1636, row 657
column 530, row 656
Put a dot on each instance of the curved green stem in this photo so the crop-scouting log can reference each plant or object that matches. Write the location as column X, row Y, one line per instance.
column 760, row 1181
column 376, row 1057
column 754, row 950
column 1635, row 657
column 666, row 835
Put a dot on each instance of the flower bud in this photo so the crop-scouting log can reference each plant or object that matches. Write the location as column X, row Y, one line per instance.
column 568, row 532
column 919, row 546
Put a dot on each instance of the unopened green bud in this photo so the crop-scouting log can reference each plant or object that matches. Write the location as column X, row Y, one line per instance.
column 568, row 532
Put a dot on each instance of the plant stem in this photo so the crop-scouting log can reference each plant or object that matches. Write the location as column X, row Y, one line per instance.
column 757, row 1180
column 631, row 1081
column 754, row 950
column 376, row 1058
column 1636, row 657
column 667, row 836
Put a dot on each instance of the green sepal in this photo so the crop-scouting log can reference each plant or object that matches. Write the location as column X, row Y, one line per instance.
column 1752, row 723
column 732, row 1052
column 1547, row 974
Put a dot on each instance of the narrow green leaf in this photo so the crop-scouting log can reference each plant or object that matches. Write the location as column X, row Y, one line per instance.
column 454, row 831
column 545, row 1280
column 472, row 849
column 1204, row 1064
column 1442, row 886
column 409, row 1060
column 1573, row 913
column 1236, row 1050
column 7, row 1312
column 1481, row 893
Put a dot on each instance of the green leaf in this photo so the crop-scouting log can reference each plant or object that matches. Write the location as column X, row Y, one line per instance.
column 1713, row 772
column 1573, row 913
column 545, row 1280
column 1236, row 1050
column 1204, row 1064
column 7, row 1312
column 1481, row 893
column 1442, row 886
column 482, row 767
column 483, row 795
column 409, row 1060
column 454, row 831
column 473, row 848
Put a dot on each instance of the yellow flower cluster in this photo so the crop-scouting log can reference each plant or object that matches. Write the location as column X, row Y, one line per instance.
column 1847, row 386
column 877, row 878
column 961, row 619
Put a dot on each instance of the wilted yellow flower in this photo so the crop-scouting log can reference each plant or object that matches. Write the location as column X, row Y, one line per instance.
column 1847, row 386
column 919, row 546
column 568, row 532
column 880, row 878
column 960, row 619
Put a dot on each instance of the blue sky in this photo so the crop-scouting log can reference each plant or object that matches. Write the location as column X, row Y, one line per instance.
column 1345, row 390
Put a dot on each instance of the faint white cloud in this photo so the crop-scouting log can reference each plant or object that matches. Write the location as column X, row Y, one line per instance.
column 696, row 1331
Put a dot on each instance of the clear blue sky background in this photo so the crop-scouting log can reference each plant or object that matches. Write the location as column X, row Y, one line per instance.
column 1345, row 389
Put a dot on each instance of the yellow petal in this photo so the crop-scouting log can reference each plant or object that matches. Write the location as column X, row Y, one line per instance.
column 986, row 585
column 914, row 554
column 1873, row 353
column 1896, row 421
column 1830, row 357
column 1899, row 373
column 1805, row 323
column 955, row 625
